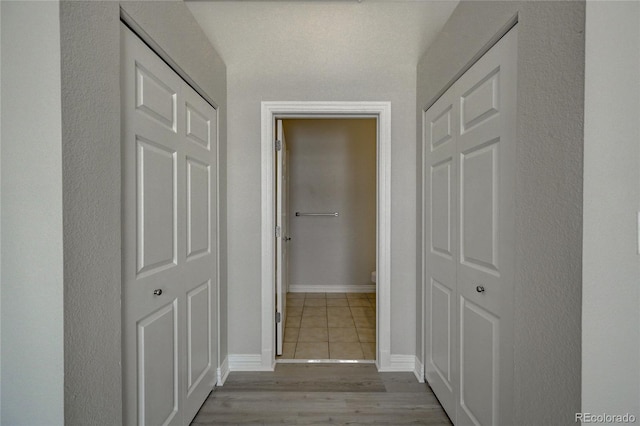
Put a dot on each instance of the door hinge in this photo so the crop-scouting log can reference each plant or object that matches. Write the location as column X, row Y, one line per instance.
column 278, row 145
column 277, row 231
column 278, row 317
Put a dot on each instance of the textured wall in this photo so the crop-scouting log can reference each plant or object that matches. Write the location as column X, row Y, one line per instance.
column 90, row 43
column 32, row 272
column 247, row 87
column 91, row 183
column 611, row 265
column 549, row 188
column 332, row 167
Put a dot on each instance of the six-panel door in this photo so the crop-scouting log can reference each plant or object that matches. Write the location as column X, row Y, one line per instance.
column 169, row 181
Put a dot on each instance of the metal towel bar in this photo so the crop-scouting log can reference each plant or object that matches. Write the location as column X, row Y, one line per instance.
column 317, row 214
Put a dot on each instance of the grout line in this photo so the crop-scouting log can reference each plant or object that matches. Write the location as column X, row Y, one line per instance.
column 326, row 315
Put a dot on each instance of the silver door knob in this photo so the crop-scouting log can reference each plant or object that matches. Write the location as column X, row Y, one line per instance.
column 157, row 292
column 287, row 238
column 480, row 289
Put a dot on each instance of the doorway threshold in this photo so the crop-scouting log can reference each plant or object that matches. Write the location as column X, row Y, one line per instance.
column 325, row 361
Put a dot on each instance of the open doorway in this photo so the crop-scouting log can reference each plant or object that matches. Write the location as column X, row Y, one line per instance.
column 378, row 112
column 326, row 251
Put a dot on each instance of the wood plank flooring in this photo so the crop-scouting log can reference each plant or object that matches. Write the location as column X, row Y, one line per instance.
column 316, row 394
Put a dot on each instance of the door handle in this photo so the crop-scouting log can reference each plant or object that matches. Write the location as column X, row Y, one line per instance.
column 286, row 238
column 480, row 289
column 157, row 292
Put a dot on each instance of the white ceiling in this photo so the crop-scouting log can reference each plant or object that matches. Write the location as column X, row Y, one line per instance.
column 344, row 35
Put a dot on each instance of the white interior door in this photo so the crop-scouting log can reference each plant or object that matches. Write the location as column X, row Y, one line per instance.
column 469, row 240
column 169, row 182
column 282, row 237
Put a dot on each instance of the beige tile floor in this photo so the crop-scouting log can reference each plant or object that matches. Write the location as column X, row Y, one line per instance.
column 330, row 326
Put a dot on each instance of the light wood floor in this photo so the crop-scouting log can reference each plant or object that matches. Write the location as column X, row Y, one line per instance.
column 315, row 394
column 330, row 326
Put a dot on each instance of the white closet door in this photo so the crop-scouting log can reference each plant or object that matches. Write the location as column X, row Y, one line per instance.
column 169, row 179
column 440, row 171
column 469, row 170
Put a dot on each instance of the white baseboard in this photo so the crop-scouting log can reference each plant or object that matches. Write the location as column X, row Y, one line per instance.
column 251, row 362
column 222, row 372
column 247, row 362
column 301, row 288
column 400, row 363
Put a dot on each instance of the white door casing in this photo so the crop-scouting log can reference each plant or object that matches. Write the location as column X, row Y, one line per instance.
column 481, row 193
column 382, row 112
column 282, row 283
column 169, row 184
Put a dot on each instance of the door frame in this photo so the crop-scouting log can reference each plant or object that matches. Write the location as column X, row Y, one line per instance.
column 381, row 111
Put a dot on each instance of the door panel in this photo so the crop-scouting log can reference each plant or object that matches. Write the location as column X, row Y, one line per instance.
column 169, row 232
column 158, row 367
column 479, row 207
column 441, row 207
column 478, row 363
column 156, row 198
column 198, row 127
column 441, row 331
column 198, row 212
column 480, row 102
column 198, row 334
column 155, row 97
column 440, row 128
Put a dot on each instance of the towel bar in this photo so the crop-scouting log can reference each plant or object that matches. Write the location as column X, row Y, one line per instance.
column 317, row 214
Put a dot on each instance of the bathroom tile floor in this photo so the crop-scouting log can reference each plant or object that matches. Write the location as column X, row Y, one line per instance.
column 330, row 326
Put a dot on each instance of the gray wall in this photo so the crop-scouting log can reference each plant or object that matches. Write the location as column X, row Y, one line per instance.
column 548, row 187
column 32, row 273
column 611, row 265
column 0, row 215
column 64, row 183
column 247, row 87
column 332, row 167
